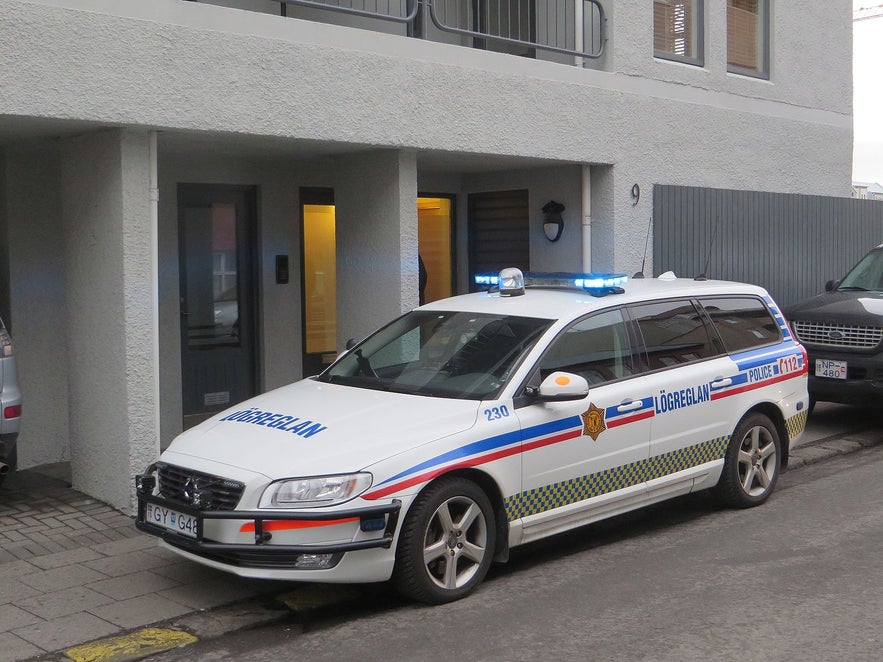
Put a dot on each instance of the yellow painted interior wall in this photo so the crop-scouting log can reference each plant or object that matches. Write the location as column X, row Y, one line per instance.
column 320, row 279
column 434, row 240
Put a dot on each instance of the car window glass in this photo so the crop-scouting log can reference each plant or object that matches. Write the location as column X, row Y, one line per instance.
column 596, row 348
column 438, row 353
column 866, row 275
column 674, row 333
column 742, row 322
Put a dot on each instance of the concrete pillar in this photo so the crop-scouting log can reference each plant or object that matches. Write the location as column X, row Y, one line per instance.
column 375, row 199
column 109, row 258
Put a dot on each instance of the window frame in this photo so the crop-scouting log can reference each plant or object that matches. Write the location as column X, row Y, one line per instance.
column 763, row 24
column 699, row 43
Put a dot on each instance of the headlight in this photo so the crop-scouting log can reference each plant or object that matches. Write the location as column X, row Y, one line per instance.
column 316, row 491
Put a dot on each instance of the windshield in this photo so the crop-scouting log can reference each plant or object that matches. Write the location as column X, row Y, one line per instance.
column 442, row 354
column 866, row 275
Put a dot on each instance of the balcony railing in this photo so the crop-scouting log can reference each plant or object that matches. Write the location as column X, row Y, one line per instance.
column 569, row 27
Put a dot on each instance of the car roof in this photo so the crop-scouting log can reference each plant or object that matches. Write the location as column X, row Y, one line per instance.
column 565, row 303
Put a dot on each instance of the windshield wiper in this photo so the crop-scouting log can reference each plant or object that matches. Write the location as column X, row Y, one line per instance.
column 852, row 288
column 359, row 381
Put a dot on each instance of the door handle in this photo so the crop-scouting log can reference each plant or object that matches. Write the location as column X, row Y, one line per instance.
column 720, row 382
column 629, row 406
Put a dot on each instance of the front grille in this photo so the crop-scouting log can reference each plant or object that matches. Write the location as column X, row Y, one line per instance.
column 838, row 335
column 172, row 481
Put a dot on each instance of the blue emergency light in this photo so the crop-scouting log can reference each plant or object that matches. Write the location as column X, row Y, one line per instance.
column 511, row 282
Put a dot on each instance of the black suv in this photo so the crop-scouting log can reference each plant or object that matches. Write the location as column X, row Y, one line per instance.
column 842, row 331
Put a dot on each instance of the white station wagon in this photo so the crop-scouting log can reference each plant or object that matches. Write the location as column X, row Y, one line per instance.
column 481, row 422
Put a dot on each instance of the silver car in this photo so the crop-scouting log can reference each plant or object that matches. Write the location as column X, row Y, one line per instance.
column 10, row 405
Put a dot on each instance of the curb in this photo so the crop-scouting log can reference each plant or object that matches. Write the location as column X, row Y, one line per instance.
column 837, row 444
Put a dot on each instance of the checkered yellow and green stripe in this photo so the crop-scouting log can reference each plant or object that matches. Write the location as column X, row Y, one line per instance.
column 548, row 497
column 796, row 423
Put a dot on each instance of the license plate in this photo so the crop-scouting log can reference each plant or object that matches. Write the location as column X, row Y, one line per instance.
column 831, row 369
column 186, row 525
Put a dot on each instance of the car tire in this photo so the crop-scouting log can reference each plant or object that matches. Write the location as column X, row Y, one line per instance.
column 752, row 463
column 446, row 544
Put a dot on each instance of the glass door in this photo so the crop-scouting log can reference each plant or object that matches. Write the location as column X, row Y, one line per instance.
column 215, row 237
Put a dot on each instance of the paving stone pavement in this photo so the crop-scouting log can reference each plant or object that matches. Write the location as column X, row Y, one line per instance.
column 74, row 570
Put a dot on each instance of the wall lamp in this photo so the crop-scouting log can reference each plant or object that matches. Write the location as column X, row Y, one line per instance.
column 553, row 224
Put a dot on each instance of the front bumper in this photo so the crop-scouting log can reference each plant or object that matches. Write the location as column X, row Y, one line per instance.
column 864, row 378
column 264, row 554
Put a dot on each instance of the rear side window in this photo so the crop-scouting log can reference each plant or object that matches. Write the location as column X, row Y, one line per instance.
column 742, row 322
column 674, row 333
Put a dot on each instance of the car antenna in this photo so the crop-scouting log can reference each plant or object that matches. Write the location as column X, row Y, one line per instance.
column 640, row 274
column 703, row 275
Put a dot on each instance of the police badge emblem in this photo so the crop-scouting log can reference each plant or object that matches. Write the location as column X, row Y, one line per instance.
column 593, row 422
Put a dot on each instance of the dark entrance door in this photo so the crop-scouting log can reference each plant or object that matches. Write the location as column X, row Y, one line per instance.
column 498, row 232
column 216, row 243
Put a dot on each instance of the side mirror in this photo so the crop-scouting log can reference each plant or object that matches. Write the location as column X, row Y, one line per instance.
column 830, row 285
column 563, row 387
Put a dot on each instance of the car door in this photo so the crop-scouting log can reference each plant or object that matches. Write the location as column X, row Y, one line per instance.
column 686, row 366
column 584, row 459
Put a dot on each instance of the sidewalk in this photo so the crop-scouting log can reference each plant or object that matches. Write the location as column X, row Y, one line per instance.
column 75, row 571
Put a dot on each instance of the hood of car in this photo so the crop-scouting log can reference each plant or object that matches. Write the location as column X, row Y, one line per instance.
column 865, row 308
column 311, row 428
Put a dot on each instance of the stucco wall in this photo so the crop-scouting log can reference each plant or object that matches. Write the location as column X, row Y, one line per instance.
column 109, row 271
column 376, row 221
column 197, row 67
column 41, row 333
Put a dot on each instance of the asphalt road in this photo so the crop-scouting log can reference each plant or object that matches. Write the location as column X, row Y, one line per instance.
column 796, row 579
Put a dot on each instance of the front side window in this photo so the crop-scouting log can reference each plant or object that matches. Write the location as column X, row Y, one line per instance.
column 866, row 275
column 439, row 353
column 742, row 322
column 596, row 348
column 678, row 30
column 674, row 333
column 748, row 41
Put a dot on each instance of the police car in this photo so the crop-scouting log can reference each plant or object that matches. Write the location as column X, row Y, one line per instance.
column 474, row 424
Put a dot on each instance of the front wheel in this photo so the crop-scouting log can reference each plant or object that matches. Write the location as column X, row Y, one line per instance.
column 447, row 542
column 752, row 463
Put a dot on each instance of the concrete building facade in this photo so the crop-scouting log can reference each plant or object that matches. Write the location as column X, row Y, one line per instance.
column 121, row 120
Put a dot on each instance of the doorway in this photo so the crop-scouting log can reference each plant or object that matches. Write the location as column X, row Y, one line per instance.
column 435, row 240
column 217, row 290
column 318, row 280
column 499, row 235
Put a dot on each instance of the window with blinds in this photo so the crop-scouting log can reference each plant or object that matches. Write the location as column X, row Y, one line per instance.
column 748, row 37
column 677, row 30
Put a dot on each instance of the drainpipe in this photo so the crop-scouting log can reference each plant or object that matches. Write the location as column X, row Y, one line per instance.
column 578, row 36
column 587, row 218
column 154, row 273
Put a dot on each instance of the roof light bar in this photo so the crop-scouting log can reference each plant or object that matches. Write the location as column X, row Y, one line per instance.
column 507, row 281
